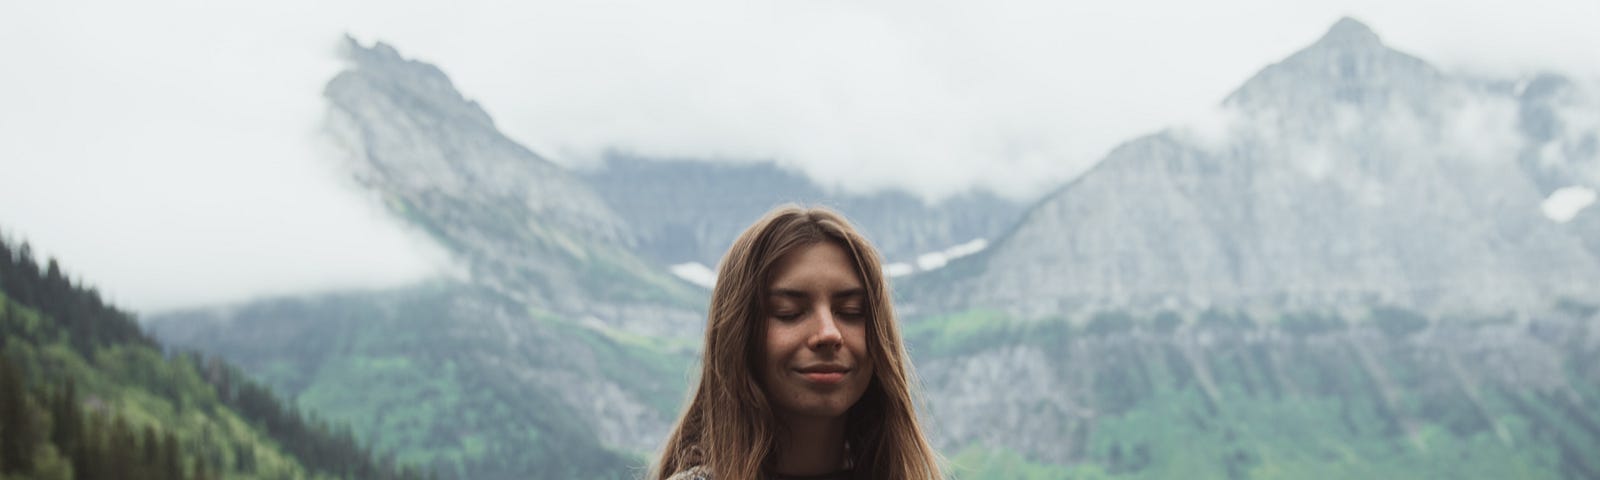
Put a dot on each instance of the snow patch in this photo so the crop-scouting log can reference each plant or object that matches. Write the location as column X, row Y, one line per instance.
column 696, row 273
column 965, row 249
column 699, row 274
column 1566, row 202
column 936, row 260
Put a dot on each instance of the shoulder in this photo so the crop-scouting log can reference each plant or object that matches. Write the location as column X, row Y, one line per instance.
column 693, row 473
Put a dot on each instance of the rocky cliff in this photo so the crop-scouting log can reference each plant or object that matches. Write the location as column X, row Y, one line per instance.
column 521, row 224
column 690, row 211
column 1347, row 174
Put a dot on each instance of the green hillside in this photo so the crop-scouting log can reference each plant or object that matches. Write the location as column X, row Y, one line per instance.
column 85, row 394
column 453, row 376
column 1377, row 394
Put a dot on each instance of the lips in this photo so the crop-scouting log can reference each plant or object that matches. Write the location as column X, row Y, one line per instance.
column 827, row 374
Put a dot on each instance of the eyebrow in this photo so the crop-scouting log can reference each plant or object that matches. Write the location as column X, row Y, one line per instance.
column 839, row 295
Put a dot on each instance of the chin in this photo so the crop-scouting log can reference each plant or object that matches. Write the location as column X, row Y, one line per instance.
column 821, row 411
column 822, row 407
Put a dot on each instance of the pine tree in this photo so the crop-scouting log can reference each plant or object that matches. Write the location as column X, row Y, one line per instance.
column 122, row 450
column 10, row 325
column 88, row 462
column 153, row 459
column 17, row 436
column 26, row 272
column 200, row 471
column 84, row 461
column 171, row 461
column 68, row 418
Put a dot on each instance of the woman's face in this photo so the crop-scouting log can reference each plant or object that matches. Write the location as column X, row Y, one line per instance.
column 815, row 362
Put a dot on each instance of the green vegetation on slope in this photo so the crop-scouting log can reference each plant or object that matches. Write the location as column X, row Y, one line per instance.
column 448, row 375
column 1392, row 394
column 85, row 394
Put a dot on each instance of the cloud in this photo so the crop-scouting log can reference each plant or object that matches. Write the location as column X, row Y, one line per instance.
column 937, row 97
column 167, row 150
column 181, row 165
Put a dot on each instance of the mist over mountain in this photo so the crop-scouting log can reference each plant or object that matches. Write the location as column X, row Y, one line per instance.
column 690, row 211
column 1347, row 174
column 523, row 226
column 1348, row 274
column 1352, row 279
column 559, row 353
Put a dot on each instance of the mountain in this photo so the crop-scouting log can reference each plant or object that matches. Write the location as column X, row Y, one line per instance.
column 85, row 394
column 690, row 211
column 458, row 377
column 1352, row 279
column 1348, row 277
column 521, row 224
column 1388, row 393
column 561, row 354
column 1347, row 174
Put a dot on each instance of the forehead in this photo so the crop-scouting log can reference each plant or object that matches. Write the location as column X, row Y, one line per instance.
column 821, row 268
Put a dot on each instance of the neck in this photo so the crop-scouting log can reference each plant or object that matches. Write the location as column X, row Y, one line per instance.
column 810, row 446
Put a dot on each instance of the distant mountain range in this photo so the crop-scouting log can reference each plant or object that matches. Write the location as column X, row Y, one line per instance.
column 690, row 211
column 1347, row 174
column 1352, row 278
column 1347, row 275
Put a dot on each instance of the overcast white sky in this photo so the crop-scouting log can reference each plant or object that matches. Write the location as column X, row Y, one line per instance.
column 168, row 151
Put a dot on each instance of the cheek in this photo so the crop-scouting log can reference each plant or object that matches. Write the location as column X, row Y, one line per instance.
column 777, row 349
column 856, row 341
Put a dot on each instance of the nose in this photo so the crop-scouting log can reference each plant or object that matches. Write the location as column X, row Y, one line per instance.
column 827, row 334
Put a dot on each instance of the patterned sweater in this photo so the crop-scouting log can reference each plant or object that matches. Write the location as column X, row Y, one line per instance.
column 693, row 473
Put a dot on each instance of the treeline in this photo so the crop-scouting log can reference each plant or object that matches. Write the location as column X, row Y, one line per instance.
column 77, row 310
column 315, row 442
column 49, row 435
column 56, row 335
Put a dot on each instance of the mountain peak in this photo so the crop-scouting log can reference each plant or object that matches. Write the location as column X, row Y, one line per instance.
column 382, row 67
column 1349, row 32
column 353, row 50
column 1349, row 64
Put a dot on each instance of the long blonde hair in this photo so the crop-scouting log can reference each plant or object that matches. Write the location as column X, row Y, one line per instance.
column 729, row 426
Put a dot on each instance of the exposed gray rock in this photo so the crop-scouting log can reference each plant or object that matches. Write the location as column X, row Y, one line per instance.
column 536, row 387
column 1347, row 174
column 522, row 224
column 691, row 211
column 1045, row 392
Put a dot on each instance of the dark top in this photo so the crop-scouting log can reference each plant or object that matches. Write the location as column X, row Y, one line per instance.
column 698, row 473
column 839, row 475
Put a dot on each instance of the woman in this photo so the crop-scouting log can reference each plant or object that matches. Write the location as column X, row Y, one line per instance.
column 803, row 374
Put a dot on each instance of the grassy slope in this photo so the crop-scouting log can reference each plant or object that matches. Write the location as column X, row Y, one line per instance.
column 1158, row 423
column 397, row 368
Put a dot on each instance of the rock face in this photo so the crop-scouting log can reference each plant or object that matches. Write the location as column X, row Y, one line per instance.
column 521, row 224
column 1221, row 397
column 561, row 355
column 454, row 377
column 689, row 211
column 1347, row 174
column 1348, row 177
